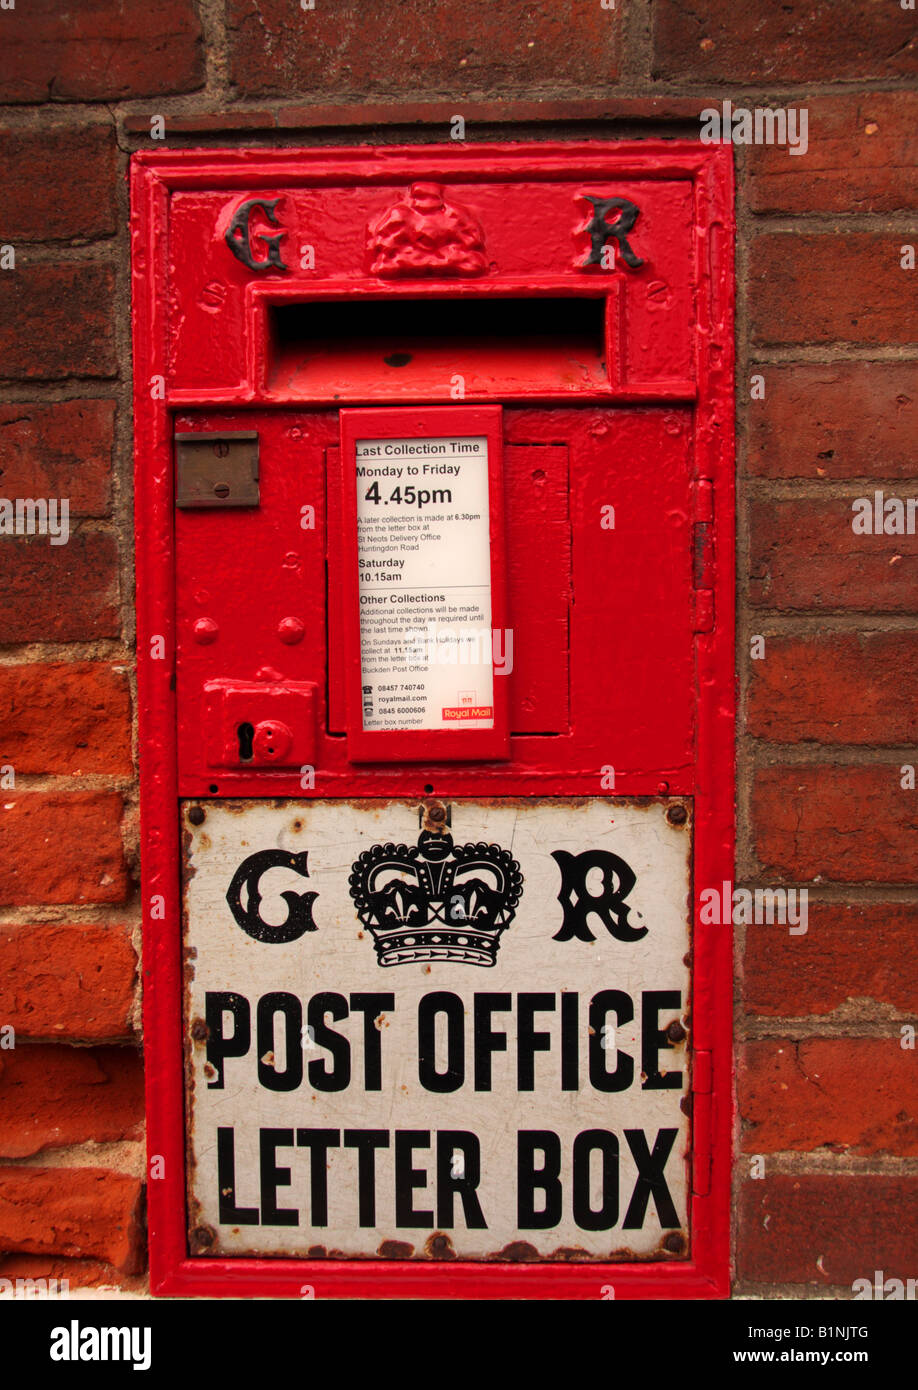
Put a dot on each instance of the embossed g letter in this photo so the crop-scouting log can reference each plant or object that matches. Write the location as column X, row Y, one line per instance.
column 238, row 235
column 246, row 880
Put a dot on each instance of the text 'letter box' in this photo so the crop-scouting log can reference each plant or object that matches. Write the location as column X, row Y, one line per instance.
column 434, row 535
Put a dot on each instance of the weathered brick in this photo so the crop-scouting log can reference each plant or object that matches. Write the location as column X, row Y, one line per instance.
column 432, row 48
column 862, row 156
column 838, row 420
column 98, row 51
column 849, row 951
column 58, row 182
column 67, row 981
column 804, row 555
column 56, row 321
column 836, row 687
column 51, row 1096
column 845, row 824
column 831, row 287
column 63, row 449
column 65, row 718
column 779, row 44
column 59, row 593
column 826, row 1230
column 61, row 847
column 79, row 1212
column 810, row 1094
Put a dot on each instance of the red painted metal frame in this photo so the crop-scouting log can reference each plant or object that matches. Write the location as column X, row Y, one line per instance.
column 153, row 178
column 436, row 745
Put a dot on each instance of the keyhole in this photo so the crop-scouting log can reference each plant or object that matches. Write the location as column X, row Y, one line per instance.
column 245, row 732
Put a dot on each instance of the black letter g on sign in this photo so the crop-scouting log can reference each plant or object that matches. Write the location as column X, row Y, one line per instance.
column 244, row 898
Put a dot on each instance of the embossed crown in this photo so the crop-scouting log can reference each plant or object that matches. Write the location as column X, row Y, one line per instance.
column 436, row 900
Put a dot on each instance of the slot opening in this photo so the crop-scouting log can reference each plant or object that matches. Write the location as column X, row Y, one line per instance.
column 449, row 349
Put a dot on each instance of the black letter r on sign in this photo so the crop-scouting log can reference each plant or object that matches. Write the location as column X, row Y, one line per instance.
column 618, row 879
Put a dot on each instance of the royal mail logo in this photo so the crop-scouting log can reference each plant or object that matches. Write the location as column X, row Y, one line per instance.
column 436, row 900
column 468, row 712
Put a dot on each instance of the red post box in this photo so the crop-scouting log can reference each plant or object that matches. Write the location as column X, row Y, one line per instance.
column 435, row 590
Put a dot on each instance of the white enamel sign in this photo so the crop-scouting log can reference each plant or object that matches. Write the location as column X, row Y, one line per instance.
column 463, row 1040
column 424, row 580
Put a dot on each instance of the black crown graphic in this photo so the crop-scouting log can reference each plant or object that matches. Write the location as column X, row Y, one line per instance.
column 436, row 900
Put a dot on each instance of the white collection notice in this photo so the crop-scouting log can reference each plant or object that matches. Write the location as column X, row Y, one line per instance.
column 424, row 564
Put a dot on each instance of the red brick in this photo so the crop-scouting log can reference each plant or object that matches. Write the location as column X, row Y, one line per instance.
column 61, row 847
column 432, row 48
column 58, row 182
column 51, row 1096
column 79, row 1212
column 836, row 687
column 66, row 1274
column 810, row 1094
column 67, row 981
column 838, row 420
column 98, row 51
column 419, row 113
column 59, row 593
column 862, row 156
column 62, row 449
column 842, row 824
column 65, row 718
column 778, row 44
column 862, row 951
column 827, row 288
column 849, row 1225
column 204, row 125
column 56, row 321
column 805, row 556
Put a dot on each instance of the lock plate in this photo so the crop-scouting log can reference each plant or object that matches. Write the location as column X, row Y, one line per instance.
column 216, row 469
column 254, row 724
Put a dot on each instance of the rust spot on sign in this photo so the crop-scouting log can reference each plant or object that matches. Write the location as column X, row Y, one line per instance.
column 395, row 1250
column 439, row 1246
column 517, row 1252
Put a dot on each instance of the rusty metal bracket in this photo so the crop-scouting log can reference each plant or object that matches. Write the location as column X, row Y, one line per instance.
column 216, row 469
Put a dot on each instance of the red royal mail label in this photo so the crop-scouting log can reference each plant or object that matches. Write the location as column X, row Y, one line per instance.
column 469, row 712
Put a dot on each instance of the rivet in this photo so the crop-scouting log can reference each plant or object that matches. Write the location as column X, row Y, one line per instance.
column 204, row 1235
column 291, row 631
column 677, row 815
column 197, row 815
column 675, row 1032
column 206, row 631
column 674, row 1242
column 436, row 813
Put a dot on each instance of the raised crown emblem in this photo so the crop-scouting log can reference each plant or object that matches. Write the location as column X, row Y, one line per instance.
column 436, row 900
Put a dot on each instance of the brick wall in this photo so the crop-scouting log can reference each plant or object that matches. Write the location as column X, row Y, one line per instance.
column 827, row 1141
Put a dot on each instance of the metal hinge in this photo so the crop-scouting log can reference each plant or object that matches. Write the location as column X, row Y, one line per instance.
column 702, row 1101
column 703, row 555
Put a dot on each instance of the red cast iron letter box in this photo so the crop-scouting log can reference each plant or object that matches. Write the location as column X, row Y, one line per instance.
column 435, row 535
